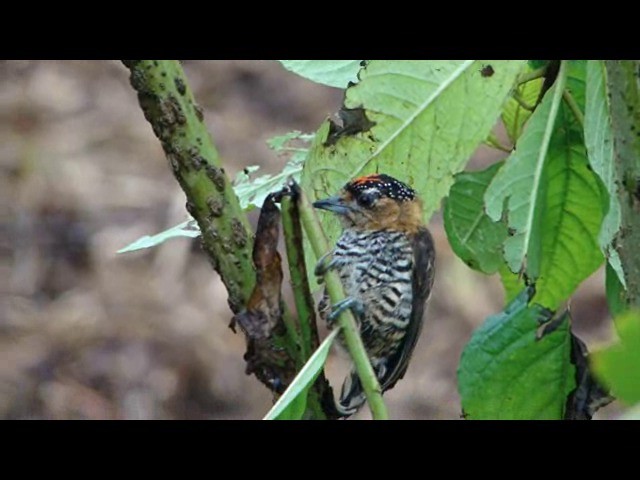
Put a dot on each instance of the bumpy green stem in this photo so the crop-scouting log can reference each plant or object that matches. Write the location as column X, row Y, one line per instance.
column 352, row 338
column 178, row 122
column 623, row 84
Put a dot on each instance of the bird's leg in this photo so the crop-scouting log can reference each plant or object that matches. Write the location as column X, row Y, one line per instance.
column 356, row 306
column 324, row 265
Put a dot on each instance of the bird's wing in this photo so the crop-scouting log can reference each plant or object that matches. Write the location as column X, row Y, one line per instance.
column 423, row 275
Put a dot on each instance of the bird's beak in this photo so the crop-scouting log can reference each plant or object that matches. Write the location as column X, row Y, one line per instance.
column 333, row 204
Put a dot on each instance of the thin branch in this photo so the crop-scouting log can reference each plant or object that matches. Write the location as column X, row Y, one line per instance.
column 351, row 334
column 297, row 269
column 532, row 75
column 518, row 98
column 573, row 105
column 320, row 402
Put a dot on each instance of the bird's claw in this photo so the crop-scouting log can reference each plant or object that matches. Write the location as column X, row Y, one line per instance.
column 356, row 306
column 323, row 266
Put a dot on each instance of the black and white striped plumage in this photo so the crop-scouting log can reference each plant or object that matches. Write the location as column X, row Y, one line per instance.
column 385, row 259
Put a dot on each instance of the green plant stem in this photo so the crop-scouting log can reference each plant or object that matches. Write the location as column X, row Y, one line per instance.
column 573, row 105
column 168, row 104
column 532, row 75
column 320, row 402
column 297, row 269
column 623, row 86
column 518, row 98
column 352, row 338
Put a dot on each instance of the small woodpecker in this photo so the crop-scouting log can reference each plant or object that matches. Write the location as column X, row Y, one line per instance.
column 385, row 258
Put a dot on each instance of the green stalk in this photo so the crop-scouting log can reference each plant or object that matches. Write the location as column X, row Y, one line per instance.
column 350, row 331
column 320, row 402
column 297, row 269
column 573, row 106
column 169, row 106
column 532, row 75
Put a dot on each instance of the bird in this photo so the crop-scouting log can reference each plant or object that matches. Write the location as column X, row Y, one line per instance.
column 385, row 258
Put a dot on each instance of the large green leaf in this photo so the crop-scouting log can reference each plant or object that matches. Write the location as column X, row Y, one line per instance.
column 418, row 121
column 519, row 183
column 554, row 206
column 571, row 216
column 618, row 366
column 509, row 371
column 599, row 141
column 473, row 236
column 290, row 406
column 615, row 292
column 334, row 73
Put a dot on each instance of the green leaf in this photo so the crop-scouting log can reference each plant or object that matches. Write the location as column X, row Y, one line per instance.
column 514, row 115
column 554, row 203
column 473, row 236
column 252, row 192
column 615, row 292
column 287, row 405
column 577, row 81
column 418, row 121
column 513, row 283
column 618, row 366
column 519, row 183
column 571, row 215
column 334, row 73
column 600, row 147
column 421, row 122
column 537, row 63
column 508, row 372
column 188, row 228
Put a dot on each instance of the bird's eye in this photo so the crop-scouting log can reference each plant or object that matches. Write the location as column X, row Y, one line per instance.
column 367, row 200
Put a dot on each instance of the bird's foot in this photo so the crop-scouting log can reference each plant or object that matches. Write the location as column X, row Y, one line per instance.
column 323, row 266
column 356, row 306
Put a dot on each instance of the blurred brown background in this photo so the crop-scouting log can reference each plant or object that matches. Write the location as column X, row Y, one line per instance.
column 86, row 333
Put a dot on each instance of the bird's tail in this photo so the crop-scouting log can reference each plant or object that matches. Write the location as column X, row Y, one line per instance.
column 352, row 396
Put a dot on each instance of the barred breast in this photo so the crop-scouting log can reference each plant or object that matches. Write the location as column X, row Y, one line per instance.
column 376, row 267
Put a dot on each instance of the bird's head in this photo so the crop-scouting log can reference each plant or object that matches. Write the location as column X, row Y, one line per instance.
column 376, row 202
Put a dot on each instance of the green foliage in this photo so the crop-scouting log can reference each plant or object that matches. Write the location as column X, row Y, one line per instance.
column 419, row 121
column 292, row 403
column 544, row 219
column 188, row 228
column 474, row 237
column 334, row 73
column 618, row 366
column 515, row 113
column 508, row 371
column 599, row 141
column 554, row 205
column 520, row 184
column 251, row 192
column 615, row 292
